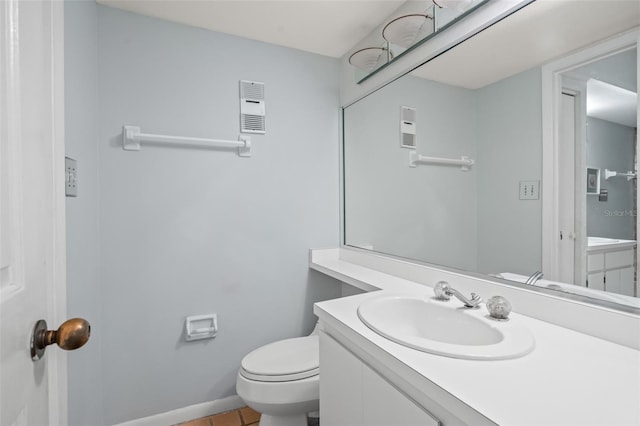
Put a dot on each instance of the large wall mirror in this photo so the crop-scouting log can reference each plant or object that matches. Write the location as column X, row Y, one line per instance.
column 444, row 165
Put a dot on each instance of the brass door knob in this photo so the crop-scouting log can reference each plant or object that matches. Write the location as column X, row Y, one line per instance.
column 72, row 334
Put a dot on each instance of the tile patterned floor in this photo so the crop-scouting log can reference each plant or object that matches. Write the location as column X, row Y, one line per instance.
column 244, row 416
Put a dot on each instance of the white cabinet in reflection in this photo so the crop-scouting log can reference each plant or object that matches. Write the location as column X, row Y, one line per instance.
column 611, row 269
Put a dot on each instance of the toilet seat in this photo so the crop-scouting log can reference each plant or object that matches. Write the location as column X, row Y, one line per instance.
column 283, row 361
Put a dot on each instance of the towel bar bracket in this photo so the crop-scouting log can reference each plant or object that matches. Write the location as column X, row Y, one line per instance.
column 245, row 150
column 129, row 140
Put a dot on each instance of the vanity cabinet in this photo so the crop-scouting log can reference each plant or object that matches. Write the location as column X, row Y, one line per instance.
column 353, row 394
column 611, row 271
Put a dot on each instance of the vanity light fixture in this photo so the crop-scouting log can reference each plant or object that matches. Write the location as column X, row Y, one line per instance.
column 367, row 58
column 403, row 30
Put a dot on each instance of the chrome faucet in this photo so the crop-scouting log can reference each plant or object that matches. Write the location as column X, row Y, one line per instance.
column 534, row 277
column 444, row 291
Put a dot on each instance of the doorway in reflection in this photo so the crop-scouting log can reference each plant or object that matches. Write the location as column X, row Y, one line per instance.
column 598, row 131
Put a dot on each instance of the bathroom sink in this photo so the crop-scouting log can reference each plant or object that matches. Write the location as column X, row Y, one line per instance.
column 592, row 241
column 445, row 328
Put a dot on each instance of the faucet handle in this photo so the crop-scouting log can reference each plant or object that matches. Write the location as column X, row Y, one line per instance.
column 442, row 290
column 499, row 308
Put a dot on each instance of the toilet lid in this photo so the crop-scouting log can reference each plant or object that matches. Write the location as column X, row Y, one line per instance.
column 285, row 360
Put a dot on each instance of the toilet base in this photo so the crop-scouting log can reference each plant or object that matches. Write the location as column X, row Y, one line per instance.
column 293, row 420
column 281, row 403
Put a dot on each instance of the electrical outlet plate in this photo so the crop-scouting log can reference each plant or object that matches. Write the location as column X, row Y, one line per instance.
column 529, row 189
column 71, row 177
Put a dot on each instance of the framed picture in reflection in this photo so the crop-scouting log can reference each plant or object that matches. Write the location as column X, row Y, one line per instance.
column 593, row 181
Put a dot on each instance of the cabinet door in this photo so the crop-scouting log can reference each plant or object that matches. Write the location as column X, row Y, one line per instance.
column 340, row 385
column 617, row 259
column 596, row 281
column 627, row 285
column 620, row 281
column 384, row 405
column 595, row 262
column 612, row 281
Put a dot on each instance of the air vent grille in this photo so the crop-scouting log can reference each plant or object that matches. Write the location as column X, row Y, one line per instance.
column 408, row 141
column 252, row 90
column 408, row 114
column 408, row 127
column 252, row 123
column 252, row 107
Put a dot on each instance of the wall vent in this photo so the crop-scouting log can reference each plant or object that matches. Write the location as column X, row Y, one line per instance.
column 407, row 127
column 252, row 107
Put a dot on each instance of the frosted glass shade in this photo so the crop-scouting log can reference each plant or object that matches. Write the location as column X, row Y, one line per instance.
column 403, row 30
column 367, row 58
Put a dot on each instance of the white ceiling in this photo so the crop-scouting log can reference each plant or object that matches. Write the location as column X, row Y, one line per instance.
column 536, row 34
column 326, row 27
column 608, row 102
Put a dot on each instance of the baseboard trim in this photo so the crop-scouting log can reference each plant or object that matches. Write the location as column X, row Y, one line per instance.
column 189, row 413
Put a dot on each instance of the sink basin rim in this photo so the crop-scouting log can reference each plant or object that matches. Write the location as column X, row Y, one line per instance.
column 516, row 340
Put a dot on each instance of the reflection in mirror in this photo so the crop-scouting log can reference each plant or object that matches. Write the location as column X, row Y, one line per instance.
column 604, row 214
column 444, row 165
column 432, row 212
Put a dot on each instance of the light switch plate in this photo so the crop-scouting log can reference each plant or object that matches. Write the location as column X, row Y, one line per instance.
column 529, row 189
column 71, row 177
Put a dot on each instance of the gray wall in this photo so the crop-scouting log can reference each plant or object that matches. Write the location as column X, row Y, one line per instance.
column 167, row 232
column 428, row 212
column 611, row 146
column 509, row 151
column 619, row 69
column 83, row 282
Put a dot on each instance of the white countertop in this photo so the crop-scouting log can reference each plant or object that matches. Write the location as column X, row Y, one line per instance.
column 603, row 243
column 570, row 378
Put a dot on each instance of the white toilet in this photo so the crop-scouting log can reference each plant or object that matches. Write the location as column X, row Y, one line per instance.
column 280, row 380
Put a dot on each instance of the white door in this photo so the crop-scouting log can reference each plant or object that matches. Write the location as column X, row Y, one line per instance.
column 32, row 250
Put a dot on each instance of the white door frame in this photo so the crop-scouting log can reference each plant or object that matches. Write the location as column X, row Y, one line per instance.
column 568, row 244
column 57, row 300
column 53, row 178
column 551, row 99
